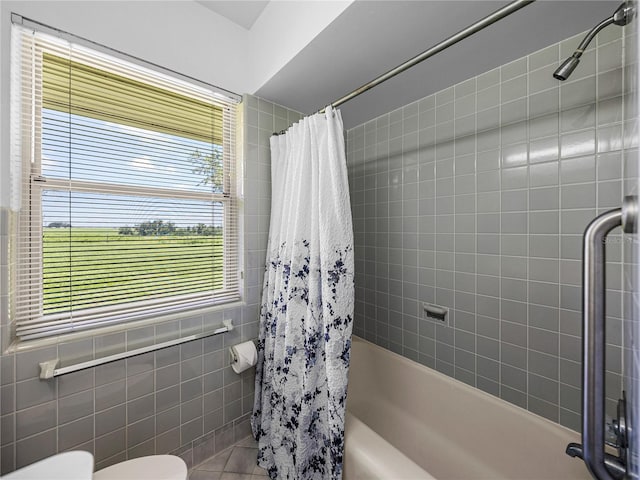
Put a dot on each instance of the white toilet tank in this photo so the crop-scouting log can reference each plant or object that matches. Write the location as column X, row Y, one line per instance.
column 153, row 467
column 76, row 465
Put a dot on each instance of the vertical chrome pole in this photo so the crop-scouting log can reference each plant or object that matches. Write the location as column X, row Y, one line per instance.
column 593, row 341
column 601, row 465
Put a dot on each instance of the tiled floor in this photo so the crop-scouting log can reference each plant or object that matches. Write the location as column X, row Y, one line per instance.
column 237, row 462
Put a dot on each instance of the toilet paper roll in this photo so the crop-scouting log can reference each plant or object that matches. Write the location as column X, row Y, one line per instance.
column 243, row 356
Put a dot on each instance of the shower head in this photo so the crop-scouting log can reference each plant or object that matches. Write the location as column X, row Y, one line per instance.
column 621, row 16
column 566, row 68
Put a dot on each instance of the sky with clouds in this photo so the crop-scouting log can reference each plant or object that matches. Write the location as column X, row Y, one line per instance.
column 91, row 150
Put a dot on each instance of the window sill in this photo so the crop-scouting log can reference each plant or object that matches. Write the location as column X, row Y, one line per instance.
column 18, row 346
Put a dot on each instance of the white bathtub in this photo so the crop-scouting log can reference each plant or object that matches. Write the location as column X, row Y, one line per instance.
column 407, row 421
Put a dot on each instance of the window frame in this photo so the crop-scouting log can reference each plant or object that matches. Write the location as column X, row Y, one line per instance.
column 121, row 315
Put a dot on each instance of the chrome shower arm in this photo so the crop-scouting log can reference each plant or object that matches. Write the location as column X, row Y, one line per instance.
column 621, row 16
column 591, row 35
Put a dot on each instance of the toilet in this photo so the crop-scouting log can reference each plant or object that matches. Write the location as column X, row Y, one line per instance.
column 78, row 465
column 153, row 467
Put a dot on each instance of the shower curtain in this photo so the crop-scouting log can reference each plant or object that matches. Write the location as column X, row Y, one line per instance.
column 307, row 305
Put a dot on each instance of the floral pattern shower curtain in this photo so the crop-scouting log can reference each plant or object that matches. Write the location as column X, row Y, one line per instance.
column 307, row 305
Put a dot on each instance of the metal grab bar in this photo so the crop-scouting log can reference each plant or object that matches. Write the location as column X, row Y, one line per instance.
column 593, row 341
column 601, row 466
column 612, row 462
column 50, row 369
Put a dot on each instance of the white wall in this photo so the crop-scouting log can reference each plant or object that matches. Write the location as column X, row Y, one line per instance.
column 180, row 35
column 283, row 30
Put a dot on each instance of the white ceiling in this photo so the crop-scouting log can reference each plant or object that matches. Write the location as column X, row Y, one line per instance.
column 241, row 12
column 371, row 37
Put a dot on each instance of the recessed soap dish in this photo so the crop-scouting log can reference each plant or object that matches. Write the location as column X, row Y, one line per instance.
column 436, row 313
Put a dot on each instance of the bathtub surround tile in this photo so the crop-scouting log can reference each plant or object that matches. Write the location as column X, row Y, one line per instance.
column 110, row 445
column 34, row 392
column 110, row 372
column 166, row 401
column 26, row 363
column 36, row 419
column 109, row 395
column 75, row 433
column 75, row 406
column 35, row 448
column 492, row 228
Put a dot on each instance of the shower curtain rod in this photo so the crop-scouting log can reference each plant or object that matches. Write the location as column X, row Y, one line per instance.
column 452, row 40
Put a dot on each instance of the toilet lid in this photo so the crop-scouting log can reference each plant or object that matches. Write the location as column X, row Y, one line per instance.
column 153, row 467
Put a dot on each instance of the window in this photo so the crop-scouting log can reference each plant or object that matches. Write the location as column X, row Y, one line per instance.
column 128, row 203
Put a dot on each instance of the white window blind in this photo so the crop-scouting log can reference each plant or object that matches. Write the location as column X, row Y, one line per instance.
column 128, row 205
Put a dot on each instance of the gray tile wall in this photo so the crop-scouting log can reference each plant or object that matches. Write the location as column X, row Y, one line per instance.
column 475, row 198
column 184, row 399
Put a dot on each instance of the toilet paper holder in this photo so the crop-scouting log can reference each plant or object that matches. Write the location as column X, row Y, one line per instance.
column 243, row 356
column 233, row 358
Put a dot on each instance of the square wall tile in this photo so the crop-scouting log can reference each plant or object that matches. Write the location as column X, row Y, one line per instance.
column 514, row 169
